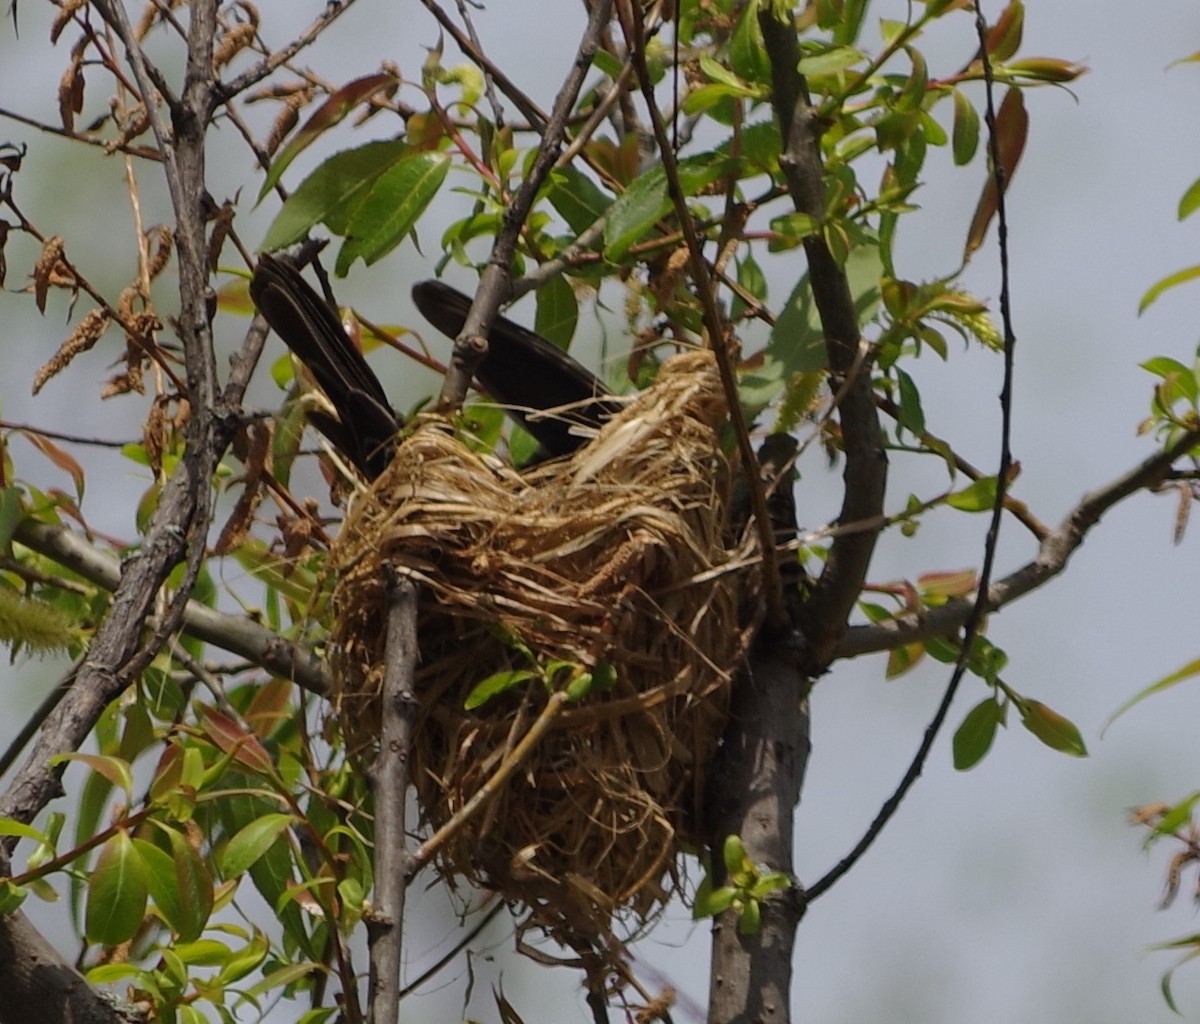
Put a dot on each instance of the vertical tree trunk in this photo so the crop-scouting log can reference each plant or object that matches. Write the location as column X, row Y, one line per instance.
column 755, row 786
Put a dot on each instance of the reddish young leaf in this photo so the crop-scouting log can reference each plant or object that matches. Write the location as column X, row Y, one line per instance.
column 59, row 457
column 328, row 114
column 1004, row 38
column 229, row 736
column 1012, row 128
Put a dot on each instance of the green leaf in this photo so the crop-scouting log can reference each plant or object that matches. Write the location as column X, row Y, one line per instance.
column 1168, row 282
column 636, row 211
column 333, row 192
column 11, row 896
column 912, row 416
column 1190, row 201
column 272, row 873
column 711, row 902
column 252, row 842
column 980, row 496
column 973, row 739
column 12, row 827
column 798, row 339
column 194, row 885
column 495, row 684
column 750, row 919
column 579, row 687
column 285, row 976
column 645, row 202
column 576, row 198
column 385, row 217
column 237, row 965
column 10, row 514
column 1174, row 818
column 964, row 135
column 830, row 62
column 1057, row 732
column 747, row 51
column 557, row 312
column 733, row 852
column 115, row 769
column 117, row 891
column 1192, row 668
column 203, row 953
column 160, row 881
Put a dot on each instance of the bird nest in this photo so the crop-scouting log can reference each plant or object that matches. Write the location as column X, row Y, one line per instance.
column 611, row 566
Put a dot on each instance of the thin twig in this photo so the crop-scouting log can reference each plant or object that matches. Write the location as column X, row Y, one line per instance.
column 471, row 345
column 40, row 714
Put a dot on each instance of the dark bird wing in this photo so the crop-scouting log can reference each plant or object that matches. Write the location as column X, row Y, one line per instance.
column 538, row 384
column 366, row 424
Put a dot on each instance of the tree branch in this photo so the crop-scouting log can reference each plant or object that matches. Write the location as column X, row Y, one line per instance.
column 833, row 595
column 38, row 985
column 236, row 634
column 385, row 924
column 1053, row 554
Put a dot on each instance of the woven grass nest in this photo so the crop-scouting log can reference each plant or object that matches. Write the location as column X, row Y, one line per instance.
column 617, row 556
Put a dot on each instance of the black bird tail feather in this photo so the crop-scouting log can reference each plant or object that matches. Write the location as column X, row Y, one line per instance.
column 538, row 384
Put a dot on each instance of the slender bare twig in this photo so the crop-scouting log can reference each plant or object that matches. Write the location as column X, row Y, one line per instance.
column 58, row 435
column 471, row 344
column 31, row 725
column 474, row 933
column 144, row 152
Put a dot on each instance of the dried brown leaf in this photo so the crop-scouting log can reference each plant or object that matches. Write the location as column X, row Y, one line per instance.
column 164, row 242
column 155, row 433
column 1183, row 510
column 133, row 123
column 47, row 263
column 233, row 42
column 85, row 335
column 70, row 88
column 1012, row 129
column 60, row 458
column 222, row 225
column 253, row 447
column 287, row 118
column 66, row 12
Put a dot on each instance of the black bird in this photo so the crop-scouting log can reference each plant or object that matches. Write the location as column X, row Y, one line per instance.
column 539, row 385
